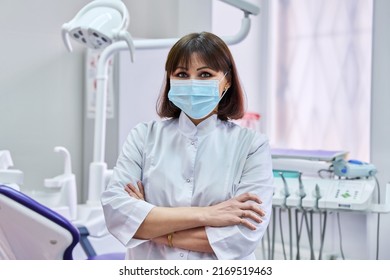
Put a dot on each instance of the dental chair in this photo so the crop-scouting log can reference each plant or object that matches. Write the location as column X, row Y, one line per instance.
column 32, row 231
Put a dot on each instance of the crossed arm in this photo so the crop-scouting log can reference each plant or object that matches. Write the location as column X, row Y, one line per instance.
column 187, row 224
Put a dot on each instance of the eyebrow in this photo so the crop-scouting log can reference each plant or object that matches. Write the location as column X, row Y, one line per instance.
column 204, row 67
column 200, row 68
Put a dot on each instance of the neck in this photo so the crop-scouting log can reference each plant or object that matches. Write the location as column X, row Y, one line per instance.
column 198, row 121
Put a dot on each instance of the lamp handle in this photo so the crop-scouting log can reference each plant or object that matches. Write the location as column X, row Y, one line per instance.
column 124, row 35
column 65, row 37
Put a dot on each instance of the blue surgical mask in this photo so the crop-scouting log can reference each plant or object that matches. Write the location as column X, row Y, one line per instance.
column 196, row 98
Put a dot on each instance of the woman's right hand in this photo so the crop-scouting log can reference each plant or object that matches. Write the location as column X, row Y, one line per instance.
column 134, row 192
column 243, row 209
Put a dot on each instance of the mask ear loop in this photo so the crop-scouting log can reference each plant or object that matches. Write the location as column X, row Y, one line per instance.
column 223, row 93
column 215, row 111
column 226, row 86
column 227, row 72
column 161, row 95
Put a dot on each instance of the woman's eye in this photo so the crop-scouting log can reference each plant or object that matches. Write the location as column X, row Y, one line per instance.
column 181, row 75
column 205, row 75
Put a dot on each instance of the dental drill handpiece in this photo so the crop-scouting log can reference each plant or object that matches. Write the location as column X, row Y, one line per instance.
column 317, row 195
column 301, row 191
column 287, row 194
column 285, row 188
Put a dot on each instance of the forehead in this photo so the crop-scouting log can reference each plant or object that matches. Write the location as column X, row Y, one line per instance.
column 193, row 61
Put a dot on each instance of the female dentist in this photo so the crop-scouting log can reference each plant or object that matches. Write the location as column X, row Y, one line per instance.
column 193, row 185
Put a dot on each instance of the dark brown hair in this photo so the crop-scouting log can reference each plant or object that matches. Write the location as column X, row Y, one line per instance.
column 213, row 51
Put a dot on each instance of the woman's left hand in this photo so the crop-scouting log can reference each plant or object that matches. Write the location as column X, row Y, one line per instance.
column 134, row 192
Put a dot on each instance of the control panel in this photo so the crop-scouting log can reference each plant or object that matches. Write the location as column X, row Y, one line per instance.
column 317, row 193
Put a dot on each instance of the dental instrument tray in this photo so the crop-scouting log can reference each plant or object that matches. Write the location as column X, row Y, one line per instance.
column 315, row 155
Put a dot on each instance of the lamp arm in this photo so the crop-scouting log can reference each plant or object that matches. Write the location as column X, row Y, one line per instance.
column 98, row 167
column 245, row 6
column 168, row 42
column 101, row 99
column 241, row 34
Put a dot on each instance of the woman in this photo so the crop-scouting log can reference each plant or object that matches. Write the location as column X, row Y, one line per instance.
column 194, row 185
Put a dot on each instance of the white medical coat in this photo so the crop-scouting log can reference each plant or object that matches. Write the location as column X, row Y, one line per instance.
column 181, row 164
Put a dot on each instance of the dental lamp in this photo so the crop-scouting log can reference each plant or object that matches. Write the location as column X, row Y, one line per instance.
column 102, row 24
column 98, row 25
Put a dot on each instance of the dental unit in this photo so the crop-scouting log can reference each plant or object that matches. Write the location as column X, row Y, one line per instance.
column 316, row 183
